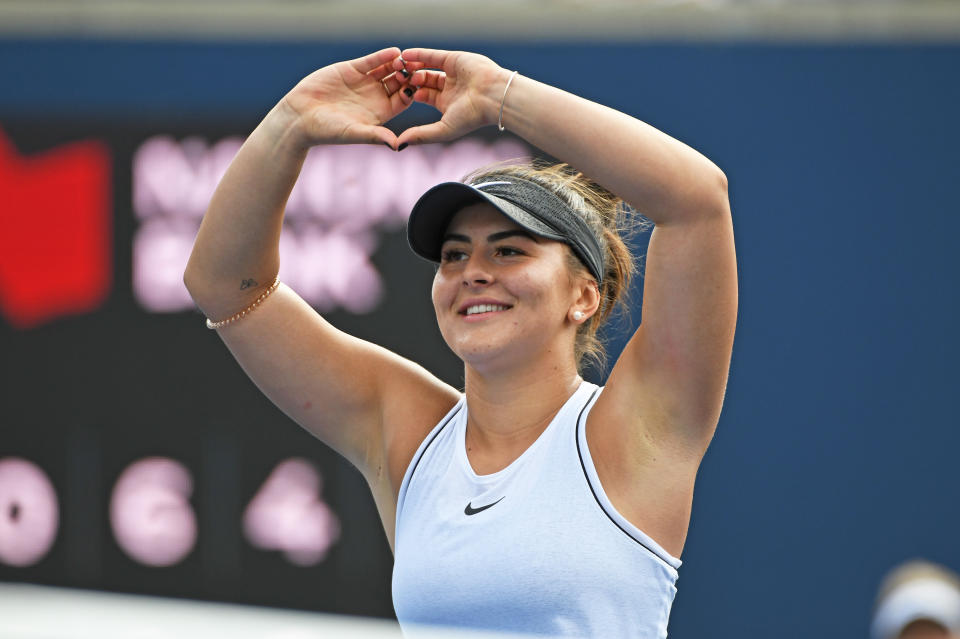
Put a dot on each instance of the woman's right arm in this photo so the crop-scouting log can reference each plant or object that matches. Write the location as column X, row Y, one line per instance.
column 237, row 245
column 336, row 386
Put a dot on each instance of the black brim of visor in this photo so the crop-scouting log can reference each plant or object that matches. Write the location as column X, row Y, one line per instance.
column 432, row 213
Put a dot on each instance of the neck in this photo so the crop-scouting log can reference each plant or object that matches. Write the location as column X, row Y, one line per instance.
column 510, row 409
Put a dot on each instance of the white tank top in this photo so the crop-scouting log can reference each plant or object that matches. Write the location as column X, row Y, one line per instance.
column 534, row 548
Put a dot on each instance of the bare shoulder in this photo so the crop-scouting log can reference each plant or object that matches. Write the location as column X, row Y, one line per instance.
column 414, row 402
column 412, row 408
column 366, row 402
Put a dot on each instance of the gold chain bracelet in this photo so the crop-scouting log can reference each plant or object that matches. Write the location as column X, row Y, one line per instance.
column 233, row 318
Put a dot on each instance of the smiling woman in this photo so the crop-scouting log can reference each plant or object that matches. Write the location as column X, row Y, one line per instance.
column 532, row 501
column 596, row 224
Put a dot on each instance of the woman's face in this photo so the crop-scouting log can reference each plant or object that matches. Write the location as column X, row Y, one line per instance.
column 501, row 294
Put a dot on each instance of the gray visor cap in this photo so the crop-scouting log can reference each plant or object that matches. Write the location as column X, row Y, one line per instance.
column 549, row 217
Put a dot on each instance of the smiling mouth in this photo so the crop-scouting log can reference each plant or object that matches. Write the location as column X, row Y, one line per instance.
column 477, row 309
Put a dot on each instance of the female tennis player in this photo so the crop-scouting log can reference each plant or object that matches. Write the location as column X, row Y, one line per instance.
column 533, row 501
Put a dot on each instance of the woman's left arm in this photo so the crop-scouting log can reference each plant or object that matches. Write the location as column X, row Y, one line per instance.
column 672, row 375
column 674, row 368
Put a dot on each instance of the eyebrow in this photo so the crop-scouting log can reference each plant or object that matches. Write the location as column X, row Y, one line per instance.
column 493, row 237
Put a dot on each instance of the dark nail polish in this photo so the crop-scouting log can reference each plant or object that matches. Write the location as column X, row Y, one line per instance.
column 408, row 92
column 402, row 146
column 387, row 144
column 404, row 73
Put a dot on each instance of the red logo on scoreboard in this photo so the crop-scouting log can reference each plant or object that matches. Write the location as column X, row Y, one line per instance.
column 55, row 232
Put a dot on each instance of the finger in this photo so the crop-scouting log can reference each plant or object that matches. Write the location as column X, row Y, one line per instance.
column 396, row 87
column 368, row 63
column 427, row 96
column 392, row 84
column 409, row 66
column 429, row 79
column 406, row 94
column 433, row 58
column 400, row 63
column 393, row 81
column 405, row 70
column 371, row 134
column 433, row 132
column 381, row 71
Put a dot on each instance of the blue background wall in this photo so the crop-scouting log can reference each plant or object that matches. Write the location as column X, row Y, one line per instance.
column 835, row 455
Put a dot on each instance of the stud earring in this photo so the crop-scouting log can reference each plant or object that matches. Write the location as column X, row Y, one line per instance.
column 577, row 316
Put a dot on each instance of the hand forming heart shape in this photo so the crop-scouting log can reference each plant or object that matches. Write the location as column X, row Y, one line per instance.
column 348, row 102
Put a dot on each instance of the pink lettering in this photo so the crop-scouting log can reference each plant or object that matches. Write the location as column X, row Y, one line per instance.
column 345, row 197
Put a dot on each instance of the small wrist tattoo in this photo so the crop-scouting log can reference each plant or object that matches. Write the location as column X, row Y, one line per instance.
column 245, row 284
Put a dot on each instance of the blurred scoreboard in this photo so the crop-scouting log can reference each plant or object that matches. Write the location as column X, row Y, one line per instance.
column 135, row 455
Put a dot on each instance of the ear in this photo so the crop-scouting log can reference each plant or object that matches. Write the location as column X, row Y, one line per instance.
column 586, row 304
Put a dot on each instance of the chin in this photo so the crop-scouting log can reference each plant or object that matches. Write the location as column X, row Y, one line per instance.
column 479, row 354
column 490, row 356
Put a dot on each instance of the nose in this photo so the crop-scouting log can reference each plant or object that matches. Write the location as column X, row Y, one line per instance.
column 477, row 271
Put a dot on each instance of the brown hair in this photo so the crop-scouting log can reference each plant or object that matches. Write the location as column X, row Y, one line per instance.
column 613, row 223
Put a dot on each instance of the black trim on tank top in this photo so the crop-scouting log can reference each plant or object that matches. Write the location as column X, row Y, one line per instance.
column 594, row 492
column 435, row 434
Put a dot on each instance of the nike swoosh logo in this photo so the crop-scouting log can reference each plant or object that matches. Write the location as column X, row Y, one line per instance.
column 470, row 510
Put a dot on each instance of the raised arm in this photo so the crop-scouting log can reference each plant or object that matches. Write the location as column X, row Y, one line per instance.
column 663, row 398
column 677, row 362
column 236, row 250
column 295, row 357
column 682, row 350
